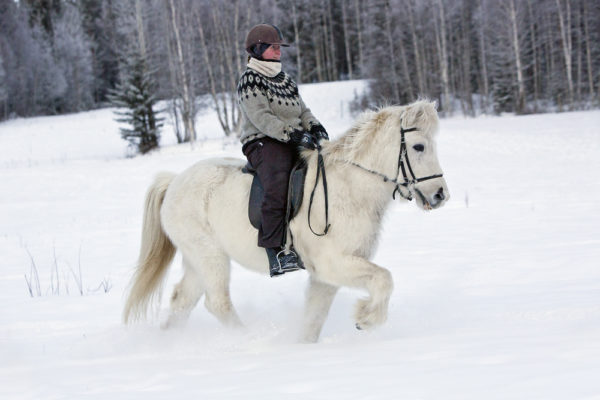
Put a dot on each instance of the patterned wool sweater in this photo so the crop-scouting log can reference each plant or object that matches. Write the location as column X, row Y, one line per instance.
column 270, row 103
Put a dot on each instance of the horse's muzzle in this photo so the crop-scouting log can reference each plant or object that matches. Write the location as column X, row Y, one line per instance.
column 438, row 198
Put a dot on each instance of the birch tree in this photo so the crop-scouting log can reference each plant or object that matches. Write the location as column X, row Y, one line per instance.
column 564, row 19
column 183, row 78
column 222, row 64
column 512, row 12
column 443, row 54
column 588, row 51
column 359, row 29
column 297, row 42
column 346, row 38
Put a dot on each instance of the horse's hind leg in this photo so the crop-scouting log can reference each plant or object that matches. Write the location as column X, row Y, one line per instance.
column 213, row 268
column 185, row 295
column 357, row 272
column 319, row 297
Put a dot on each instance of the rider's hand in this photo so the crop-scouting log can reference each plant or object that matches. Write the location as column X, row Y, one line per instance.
column 303, row 139
column 319, row 132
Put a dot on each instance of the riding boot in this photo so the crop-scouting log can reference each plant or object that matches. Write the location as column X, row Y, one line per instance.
column 281, row 262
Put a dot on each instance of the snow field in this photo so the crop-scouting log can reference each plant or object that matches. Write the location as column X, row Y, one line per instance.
column 497, row 295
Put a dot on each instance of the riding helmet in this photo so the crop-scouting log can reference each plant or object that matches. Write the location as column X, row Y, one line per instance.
column 261, row 37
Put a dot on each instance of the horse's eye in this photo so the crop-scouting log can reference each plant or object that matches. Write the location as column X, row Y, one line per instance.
column 419, row 147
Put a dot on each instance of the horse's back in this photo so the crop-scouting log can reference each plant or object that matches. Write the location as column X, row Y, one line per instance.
column 191, row 193
column 209, row 202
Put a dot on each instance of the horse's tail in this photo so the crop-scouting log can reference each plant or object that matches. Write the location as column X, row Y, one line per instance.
column 156, row 253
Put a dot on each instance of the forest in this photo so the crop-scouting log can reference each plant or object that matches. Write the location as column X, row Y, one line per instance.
column 472, row 56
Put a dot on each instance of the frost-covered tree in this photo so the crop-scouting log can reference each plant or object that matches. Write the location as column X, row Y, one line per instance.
column 135, row 100
column 73, row 57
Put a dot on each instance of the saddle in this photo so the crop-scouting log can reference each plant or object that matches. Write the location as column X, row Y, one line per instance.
column 294, row 196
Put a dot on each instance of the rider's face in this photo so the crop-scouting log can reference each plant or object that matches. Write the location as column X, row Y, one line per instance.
column 273, row 52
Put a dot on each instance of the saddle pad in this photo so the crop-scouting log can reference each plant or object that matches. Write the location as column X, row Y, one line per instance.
column 294, row 197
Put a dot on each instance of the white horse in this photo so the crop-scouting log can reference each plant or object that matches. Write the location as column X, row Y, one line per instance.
column 203, row 212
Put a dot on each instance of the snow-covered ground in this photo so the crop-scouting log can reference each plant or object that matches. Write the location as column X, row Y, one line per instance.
column 497, row 295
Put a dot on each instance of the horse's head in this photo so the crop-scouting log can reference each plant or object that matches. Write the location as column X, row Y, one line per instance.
column 397, row 143
column 419, row 172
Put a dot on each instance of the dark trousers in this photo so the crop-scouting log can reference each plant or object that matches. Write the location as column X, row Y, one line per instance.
column 273, row 161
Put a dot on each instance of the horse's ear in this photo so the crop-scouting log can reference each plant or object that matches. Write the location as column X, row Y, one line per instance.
column 419, row 113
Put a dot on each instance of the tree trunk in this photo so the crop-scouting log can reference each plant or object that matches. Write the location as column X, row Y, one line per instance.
column 391, row 52
column 550, row 53
column 416, row 47
column 173, row 106
column 405, row 71
column 187, row 111
column 361, row 61
column 211, row 77
column 534, row 52
column 579, row 55
column 332, row 54
column 466, row 59
column 228, row 71
column 483, row 54
column 319, row 53
column 443, row 55
column 520, row 107
column 346, row 39
column 297, row 42
column 140, row 28
column 565, row 34
column 588, row 50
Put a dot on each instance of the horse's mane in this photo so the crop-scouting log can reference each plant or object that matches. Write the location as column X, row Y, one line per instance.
column 421, row 113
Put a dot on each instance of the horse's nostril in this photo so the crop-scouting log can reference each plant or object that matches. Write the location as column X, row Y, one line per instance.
column 439, row 196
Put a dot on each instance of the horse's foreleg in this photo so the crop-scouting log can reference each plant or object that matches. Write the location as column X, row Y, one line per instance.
column 359, row 273
column 319, row 297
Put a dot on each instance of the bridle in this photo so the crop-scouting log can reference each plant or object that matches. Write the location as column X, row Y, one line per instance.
column 408, row 181
column 403, row 166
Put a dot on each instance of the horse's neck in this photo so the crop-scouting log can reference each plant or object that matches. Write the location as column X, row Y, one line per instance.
column 366, row 188
column 365, row 173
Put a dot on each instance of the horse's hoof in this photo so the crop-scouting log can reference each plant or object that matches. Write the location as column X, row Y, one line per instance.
column 358, row 327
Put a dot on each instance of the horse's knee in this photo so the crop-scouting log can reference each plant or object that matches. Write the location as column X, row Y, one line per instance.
column 382, row 282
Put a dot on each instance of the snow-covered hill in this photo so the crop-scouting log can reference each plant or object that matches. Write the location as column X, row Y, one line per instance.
column 497, row 295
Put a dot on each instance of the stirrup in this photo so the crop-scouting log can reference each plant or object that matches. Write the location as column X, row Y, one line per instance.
column 288, row 265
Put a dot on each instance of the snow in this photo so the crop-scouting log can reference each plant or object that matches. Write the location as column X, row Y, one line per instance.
column 497, row 295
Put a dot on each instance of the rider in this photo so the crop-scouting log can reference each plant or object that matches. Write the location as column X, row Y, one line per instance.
column 275, row 122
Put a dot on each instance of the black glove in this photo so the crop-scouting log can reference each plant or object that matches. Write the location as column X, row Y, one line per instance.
column 319, row 132
column 303, row 139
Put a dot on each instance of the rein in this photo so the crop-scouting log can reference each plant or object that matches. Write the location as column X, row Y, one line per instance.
column 320, row 170
column 403, row 166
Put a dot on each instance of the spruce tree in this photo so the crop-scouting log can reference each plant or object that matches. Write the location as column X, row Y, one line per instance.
column 136, row 94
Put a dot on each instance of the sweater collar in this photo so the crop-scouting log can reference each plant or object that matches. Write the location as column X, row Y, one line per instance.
column 267, row 68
